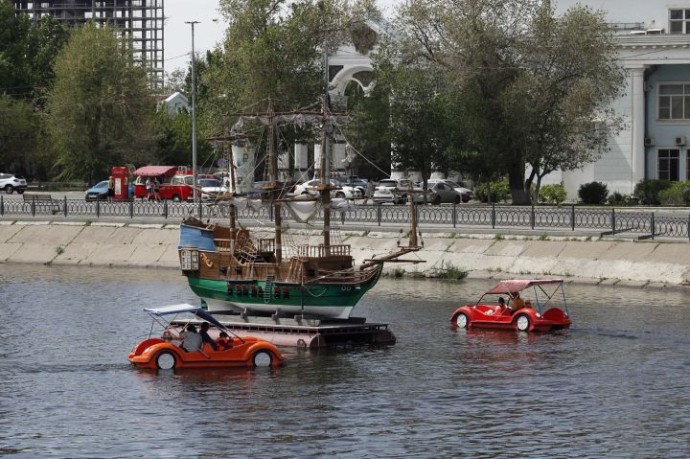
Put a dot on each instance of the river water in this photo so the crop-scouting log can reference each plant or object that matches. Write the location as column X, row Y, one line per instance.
column 615, row 385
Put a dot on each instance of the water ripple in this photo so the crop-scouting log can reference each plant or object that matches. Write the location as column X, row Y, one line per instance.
column 615, row 385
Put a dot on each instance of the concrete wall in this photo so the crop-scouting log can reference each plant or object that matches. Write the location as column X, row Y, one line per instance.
column 155, row 245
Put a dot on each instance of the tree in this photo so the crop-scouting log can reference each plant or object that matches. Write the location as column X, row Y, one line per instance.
column 100, row 109
column 530, row 85
column 27, row 52
column 369, row 131
column 18, row 137
column 273, row 49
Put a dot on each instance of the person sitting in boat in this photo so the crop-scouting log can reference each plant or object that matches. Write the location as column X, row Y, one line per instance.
column 518, row 302
column 223, row 342
column 501, row 302
column 205, row 336
column 191, row 340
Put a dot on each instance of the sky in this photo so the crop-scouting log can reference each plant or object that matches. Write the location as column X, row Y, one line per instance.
column 178, row 35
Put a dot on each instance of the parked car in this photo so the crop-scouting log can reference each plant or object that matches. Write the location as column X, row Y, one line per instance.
column 98, row 192
column 340, row 190
column 359, row 183
column 466, row 193
column 211, row 188
column 392, row 190
column 10, row 182
column 438, row 193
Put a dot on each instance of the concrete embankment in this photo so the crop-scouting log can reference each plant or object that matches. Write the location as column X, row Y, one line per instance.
column 580, row 258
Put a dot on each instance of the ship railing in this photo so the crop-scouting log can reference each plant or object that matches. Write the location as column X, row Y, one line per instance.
column 224, row 245
column 318, row 251
column 266, row 245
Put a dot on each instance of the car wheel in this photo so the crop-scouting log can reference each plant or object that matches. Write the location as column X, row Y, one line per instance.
column 9, row 189
column 461, row 320
column 176, row 198
column 166, row 360
column 340, row 195
column 262, row 359
column 20, row 191
column 437, row 200
column 465, row 199
column 457, row 200
column 522, row 322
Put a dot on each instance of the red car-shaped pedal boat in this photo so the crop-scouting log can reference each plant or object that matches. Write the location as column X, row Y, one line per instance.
column 547, row 311
column 164, row 353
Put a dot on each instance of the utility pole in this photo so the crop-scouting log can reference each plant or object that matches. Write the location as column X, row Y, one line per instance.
column 194, row 169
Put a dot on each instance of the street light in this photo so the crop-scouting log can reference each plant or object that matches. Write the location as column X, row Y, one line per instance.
column 194, row 171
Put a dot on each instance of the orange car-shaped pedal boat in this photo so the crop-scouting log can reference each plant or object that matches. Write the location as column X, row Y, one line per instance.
column 165, row 352
column 508, row 310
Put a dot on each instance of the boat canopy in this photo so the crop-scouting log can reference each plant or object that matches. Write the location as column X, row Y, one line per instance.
column 182, row 308
column 156, row 171
column 518, row 285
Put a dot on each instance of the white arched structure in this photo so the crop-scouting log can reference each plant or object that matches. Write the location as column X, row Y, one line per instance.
column 352, row 73
column 351, row 62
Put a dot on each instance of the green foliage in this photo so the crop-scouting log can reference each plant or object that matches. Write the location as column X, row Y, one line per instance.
column 647, row 191
column 524, row 84
column 593, row 193
column 451, row 272
column 272, row 51
column 174, row 141
column 368, row 132
column 100, row 109
column 553, row 193
column 493, row 191
column 619, row 199
column 27, row 52
column 678, row 194
column 18, row 140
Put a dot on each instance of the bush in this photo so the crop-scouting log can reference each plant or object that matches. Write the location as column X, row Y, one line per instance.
column 497, row 191
column 619, row 199
column 647, row 191
column 593, row 193
column 553, row 194
column 678, row 194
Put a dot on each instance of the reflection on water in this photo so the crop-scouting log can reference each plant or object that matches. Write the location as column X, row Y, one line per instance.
column 615, row 385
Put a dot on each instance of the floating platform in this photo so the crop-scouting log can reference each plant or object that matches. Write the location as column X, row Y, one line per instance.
column 309, row 333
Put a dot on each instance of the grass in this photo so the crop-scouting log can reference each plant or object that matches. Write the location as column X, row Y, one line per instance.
column 450, row 272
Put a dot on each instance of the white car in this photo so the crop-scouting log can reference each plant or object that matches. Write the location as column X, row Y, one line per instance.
column 341, row 191
column 392, row 190
column 211, row 188
column 10, row 182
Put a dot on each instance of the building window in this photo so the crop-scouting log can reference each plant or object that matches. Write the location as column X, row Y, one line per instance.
column 668, row 162
column 674, row 101
column 679, row 21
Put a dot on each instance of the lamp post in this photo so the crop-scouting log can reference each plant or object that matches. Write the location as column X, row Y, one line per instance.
column 194, row 170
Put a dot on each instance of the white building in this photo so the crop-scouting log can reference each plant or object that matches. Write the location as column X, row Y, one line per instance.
column 174, row 103
column 654, row 48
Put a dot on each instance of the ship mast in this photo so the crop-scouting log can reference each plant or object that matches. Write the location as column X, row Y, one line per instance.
column 273, row 178
column 325, row 169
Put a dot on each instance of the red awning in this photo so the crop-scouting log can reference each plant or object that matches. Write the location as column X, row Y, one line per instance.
column 156, row 171
column 512, row 286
